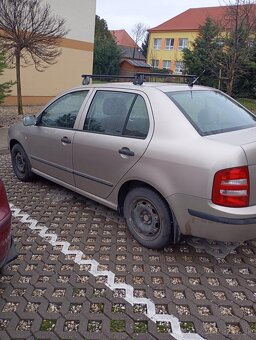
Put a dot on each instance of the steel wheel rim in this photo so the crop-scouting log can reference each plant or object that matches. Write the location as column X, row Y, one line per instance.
column 20, row 162
column 145, row 218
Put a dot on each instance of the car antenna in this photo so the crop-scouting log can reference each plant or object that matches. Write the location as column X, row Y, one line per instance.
column 192, row 83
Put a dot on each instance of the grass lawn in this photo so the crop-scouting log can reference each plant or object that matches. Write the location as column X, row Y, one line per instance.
column 250, row 104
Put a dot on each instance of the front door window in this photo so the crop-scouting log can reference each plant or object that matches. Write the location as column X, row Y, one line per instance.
column 63, row 112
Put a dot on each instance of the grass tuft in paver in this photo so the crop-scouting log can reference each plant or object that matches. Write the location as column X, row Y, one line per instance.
column 140, row 327
column 47, row 325
column 253, row 327
column 163, row 327
column 187, row 327
column 117, row 326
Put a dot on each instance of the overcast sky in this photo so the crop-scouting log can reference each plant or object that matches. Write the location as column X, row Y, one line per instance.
column 124, row 14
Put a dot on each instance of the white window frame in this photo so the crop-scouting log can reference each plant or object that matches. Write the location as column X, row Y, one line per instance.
column 155, row 63
column 179, row 67
column 157, row 43
column 167, row 64
column 169, row 46
column 183, row 43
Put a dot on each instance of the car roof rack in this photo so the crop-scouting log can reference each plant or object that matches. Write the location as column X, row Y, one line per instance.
column 138, row 78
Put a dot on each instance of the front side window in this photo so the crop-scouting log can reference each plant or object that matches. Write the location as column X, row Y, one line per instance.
column 155, row 63
column 169, row 43
column 167, row 64
column 211, row 112
column 157, row 43
column 183, row 43
column 117, row 113
column 63, row 112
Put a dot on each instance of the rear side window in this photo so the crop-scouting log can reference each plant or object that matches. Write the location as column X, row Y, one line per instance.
column 211, row 112
column 138, row 122
column 118, row 114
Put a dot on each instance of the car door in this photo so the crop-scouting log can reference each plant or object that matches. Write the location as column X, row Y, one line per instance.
column 51, row 139
column 114, row 136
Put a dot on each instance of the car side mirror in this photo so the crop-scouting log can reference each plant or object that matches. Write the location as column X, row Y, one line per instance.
column 29, row 120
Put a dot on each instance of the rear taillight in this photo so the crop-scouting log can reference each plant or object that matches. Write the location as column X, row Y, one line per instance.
column 231, row 187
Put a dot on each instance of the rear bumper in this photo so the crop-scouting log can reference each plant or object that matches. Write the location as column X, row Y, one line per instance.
column 223, row 220
column 7, row 247
column 200, row 217
column 11, row 255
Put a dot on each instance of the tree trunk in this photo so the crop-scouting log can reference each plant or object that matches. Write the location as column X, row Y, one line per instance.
column 230, row 83
column 18, row 78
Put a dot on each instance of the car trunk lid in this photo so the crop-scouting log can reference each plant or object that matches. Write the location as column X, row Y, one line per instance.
column 246, row 138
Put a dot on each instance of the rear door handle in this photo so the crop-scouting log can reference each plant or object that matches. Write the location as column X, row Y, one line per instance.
column 126, row 151
column 66, row 140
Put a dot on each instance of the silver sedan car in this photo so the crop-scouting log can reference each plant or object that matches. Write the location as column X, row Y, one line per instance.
column 173, row 159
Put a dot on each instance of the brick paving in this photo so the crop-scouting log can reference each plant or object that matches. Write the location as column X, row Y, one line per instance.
column 47, row 294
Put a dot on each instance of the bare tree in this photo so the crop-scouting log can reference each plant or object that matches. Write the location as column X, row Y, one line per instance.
column 30, row 35
column 239, row 41
column 138, row 33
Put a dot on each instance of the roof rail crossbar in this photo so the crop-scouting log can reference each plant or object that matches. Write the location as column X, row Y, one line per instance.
column 138, row 78
column 164, row 75
column 88, row 77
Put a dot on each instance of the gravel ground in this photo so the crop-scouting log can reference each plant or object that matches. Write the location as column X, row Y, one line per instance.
column 9, row 114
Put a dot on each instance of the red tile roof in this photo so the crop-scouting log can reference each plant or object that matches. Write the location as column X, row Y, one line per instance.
column 123, row 38
column 191, row 19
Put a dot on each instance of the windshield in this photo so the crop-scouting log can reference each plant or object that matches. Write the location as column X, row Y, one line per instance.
column 212, row 112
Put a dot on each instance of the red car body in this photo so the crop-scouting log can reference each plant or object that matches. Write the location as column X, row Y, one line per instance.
column 7, row 247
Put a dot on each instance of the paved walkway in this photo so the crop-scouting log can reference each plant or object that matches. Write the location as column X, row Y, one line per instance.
column 80, row 275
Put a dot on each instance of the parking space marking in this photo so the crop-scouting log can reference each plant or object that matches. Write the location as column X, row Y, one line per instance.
column 151, row 308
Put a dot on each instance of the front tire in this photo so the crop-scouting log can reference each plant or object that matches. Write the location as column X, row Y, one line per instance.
column 21, row 164
column 148, row 218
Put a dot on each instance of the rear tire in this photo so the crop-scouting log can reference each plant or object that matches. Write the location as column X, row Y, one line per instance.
column 148, row 218
column 21, row 164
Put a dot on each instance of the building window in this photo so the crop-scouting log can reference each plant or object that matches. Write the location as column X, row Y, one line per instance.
column 157, row 43
column 169, row 43
column 179, row 67
column 183, row 43
column 167, row 64
column 155, row 63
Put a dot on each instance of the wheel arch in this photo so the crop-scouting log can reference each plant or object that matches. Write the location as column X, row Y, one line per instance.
column 13, row 142
column 126, row 187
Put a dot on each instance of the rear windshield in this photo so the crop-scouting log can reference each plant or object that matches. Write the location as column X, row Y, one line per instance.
column 212, row 112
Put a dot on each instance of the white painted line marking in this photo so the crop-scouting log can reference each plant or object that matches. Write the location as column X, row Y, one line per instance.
column 151, row 308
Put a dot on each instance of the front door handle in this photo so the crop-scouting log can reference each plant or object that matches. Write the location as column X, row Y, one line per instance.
column 126, row 151
column 66, row 140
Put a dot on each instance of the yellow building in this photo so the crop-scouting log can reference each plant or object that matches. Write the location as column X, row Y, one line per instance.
column 76, row 58
column 167, row 40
